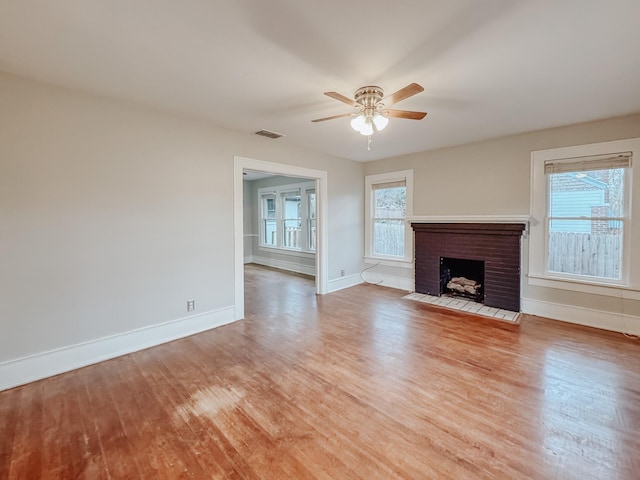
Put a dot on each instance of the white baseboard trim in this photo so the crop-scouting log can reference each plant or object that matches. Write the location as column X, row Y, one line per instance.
column 46, row 364
column 248, row 259
column 615, row 322
column 344, row 282
column 285, row 265
column 407, row 284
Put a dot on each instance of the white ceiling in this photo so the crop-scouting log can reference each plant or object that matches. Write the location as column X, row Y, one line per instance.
column 489, row 68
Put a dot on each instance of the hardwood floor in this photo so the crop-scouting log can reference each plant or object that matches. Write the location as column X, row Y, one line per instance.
column 355, row 384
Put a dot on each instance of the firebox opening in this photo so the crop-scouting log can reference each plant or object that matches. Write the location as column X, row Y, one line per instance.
column 464, row 278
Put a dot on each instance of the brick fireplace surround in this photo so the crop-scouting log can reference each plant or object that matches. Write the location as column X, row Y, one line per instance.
column 496, row 244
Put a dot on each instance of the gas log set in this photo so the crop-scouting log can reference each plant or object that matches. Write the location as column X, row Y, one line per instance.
column 464, row 286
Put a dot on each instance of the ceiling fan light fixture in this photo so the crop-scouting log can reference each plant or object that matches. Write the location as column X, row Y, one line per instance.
column 358, row 122
column 365, row 122
column 367, row 128
column 380, row 121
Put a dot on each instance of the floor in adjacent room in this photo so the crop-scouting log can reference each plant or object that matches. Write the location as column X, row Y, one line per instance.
column 360, row 383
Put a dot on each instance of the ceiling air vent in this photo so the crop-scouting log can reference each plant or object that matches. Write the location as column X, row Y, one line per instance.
column 268, row 134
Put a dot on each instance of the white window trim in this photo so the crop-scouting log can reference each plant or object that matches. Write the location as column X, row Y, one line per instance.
column 407, row 260
column 301, row 188
column 629, row 285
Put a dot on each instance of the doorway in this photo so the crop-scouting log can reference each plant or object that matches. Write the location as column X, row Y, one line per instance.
column 320, row 177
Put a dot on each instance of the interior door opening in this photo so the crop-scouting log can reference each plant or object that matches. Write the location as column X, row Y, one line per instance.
column 319, row 180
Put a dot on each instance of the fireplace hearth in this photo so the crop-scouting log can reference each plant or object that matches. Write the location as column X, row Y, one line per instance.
column 495, row 246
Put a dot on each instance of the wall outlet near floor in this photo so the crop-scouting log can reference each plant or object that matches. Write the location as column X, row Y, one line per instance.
column 342, row 273
column 191, row 305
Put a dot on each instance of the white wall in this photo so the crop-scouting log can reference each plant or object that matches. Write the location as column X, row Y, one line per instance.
column 113, row 214
column 492, row 178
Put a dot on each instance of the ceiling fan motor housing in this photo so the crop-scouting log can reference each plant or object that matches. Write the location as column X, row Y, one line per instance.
column 368, row 96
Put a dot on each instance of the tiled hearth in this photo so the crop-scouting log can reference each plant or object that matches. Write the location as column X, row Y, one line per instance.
column 466, row 306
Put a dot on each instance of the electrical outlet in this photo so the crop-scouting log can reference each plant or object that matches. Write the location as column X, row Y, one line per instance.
column 191, row 305
column 342, row 273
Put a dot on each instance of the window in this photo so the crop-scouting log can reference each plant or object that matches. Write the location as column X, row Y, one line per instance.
column 581, row 225
column 390, row 201
column 292, row 221
column 389, row 211
column 585, row 217
column 287, row 217
column 269, row 222
column 311, row 219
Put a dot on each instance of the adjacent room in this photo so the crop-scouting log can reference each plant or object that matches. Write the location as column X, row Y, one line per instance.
column 272, row 240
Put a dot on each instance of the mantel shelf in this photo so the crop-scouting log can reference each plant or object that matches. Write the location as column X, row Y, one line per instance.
column 471, row 228
column 469, row 219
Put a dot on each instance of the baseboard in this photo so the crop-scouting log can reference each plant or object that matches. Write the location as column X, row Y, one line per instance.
column 285, row 265
column 248, row 259
column 407, row 284
column 344, row 282
column 615, row 322
column 35, row 367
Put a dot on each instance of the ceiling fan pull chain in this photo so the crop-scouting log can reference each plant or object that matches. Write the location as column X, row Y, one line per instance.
column 369, row 142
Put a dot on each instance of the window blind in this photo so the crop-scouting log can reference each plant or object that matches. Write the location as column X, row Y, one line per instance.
column 583, row 164
column 380, row 186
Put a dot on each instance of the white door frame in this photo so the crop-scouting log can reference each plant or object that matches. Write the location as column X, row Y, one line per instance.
column 239, row 165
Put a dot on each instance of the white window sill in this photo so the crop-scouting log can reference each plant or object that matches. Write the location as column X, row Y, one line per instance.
column 400, row 263
column 287, row 251
column 608, row 290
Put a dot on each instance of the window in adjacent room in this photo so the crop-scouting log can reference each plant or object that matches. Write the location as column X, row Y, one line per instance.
column 288, row 216
column 269, row 221
column 311, row 219
column 292, row 220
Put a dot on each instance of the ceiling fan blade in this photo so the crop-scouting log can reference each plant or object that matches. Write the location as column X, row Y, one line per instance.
column 342, row 98
column 404, row 114
column 331, row 118
column 406, row 92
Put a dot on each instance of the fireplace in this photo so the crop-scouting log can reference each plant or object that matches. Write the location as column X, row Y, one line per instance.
column 462, row 278
column 495, row 246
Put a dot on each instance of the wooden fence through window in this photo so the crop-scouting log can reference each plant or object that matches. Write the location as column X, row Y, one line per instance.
column 597, row 255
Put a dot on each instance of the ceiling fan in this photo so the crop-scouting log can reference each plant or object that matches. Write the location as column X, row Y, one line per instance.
column 373, row 114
